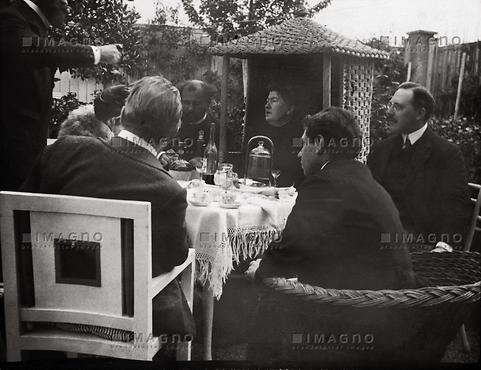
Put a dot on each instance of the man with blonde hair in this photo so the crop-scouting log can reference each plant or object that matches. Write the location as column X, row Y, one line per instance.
column 126, row 168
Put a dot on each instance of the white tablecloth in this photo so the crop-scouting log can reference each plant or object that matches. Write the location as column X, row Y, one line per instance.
column 221, row 236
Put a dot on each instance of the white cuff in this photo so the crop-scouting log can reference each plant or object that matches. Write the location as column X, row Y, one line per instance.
column 97, row 54
column 442, row 247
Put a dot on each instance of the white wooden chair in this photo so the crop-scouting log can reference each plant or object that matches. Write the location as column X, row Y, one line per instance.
column 41, row 234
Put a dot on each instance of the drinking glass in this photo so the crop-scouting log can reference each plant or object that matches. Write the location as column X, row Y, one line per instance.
column 275, row 174
column 201, row 168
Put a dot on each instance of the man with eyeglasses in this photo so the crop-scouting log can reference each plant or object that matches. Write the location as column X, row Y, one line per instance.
column 423, row 173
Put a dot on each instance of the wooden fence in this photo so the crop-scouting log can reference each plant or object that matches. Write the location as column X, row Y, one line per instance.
column 84, row 89
column 444, row 64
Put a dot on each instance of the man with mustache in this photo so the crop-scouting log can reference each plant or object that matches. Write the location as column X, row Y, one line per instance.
column 423, row 173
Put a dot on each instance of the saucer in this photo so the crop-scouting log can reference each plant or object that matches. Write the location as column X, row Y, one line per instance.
column 198, row 204
column 229, row 205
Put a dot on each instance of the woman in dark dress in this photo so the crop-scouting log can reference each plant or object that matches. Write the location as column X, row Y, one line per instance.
column 285, row 130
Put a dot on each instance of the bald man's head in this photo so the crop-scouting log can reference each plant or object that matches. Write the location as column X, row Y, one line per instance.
column 196, row 97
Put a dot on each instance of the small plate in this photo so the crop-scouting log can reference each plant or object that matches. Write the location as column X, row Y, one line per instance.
column 198, row 204
column 252, row 183
column 229, row 205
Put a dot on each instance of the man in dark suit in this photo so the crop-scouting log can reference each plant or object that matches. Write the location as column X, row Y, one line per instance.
column 339, row 217
column 126, row 168
column 28, row 63
column 423, row 173
column 196, row 118
column 334, row 235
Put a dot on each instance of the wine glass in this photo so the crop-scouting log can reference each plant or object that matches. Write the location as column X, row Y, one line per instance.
column 275, row 174
column 201, row 168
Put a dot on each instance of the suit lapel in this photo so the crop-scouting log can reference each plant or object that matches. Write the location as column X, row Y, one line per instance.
column 33, row 19
column 422, row 151
column 384, row 156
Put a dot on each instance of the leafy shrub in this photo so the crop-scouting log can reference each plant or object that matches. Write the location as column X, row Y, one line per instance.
column 60, row 109
column 235, row 104
column 466, row 133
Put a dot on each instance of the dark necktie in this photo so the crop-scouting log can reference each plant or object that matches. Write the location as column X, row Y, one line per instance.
column 407, row 144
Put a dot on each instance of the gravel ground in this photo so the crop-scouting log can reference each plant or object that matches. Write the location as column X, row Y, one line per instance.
column 454, row 353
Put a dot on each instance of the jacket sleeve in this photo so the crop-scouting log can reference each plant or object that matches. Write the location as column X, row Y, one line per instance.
column 169, row 241
column 299, row 244
column 373, row 162
column 35, row 181
column 455, row 206
column 19, row 45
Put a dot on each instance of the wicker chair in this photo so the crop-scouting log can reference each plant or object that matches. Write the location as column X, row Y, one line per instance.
column 391, row 326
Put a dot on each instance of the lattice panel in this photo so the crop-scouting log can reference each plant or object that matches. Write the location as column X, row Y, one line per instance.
column 357, row 96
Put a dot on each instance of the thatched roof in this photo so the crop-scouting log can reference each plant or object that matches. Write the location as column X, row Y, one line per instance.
column 296, row 36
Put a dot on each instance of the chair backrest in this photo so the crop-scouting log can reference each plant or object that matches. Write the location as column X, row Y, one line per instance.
column 476, row 219
column 75, row 260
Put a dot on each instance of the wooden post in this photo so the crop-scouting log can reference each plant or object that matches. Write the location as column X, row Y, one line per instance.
column 442, row 68
column 460, row 85
column 429, row 77
column 245, row 80
column 435, row 78
column 408, row 77
column 223, row 108
column 341, row 81
column 326, row 81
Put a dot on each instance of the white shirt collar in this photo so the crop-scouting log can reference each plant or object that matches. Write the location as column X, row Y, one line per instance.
column 127, row 135
column 415, row 135
column 39, row 12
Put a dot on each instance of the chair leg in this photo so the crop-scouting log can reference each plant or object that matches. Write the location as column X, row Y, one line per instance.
column 13, row 354
column 183, row 351
column 464, row 338
column 207, row 321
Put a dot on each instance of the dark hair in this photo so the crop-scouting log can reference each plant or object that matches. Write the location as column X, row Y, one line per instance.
column 338, row 128
column 110, row 102
column 422, row 98
column 286, row 90
column 208, row 91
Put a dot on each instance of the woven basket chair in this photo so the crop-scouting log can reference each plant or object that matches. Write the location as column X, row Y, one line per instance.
column 307, row 322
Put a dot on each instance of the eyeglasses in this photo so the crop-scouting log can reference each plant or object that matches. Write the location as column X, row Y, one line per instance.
column 395, row 106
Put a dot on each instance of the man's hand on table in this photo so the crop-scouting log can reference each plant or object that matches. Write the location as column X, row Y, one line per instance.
column 251, row 271
column 166, row 158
